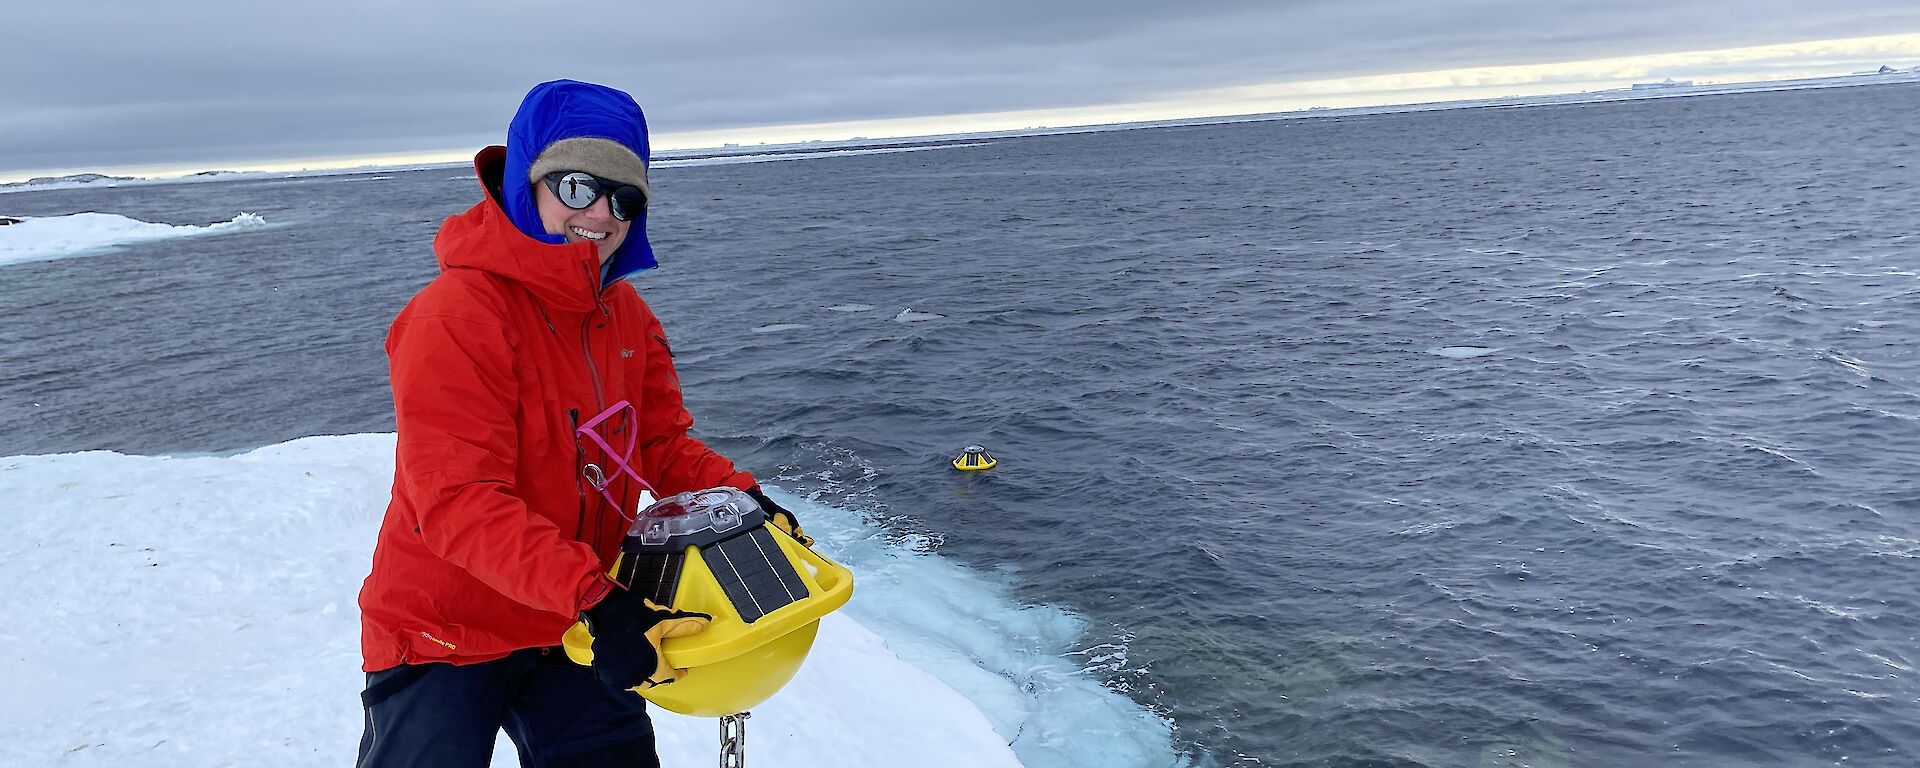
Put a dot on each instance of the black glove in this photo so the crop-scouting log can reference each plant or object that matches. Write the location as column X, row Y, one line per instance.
column 781, row 518
column 627, row 630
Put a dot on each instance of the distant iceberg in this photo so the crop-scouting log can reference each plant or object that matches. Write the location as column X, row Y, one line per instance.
column 66, row 182
column 773, row 157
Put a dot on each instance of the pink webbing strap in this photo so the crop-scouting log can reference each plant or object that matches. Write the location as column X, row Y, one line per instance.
column 621, row 459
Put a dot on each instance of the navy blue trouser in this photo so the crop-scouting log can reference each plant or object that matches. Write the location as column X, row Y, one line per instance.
column 556, row 712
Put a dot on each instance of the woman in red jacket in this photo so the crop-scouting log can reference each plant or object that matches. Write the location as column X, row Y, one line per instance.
column 504, row 515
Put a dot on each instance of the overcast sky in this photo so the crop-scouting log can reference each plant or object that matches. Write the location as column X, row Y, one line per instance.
column 120, row 84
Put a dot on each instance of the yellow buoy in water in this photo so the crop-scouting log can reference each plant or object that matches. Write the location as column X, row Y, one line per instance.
column 974, row 459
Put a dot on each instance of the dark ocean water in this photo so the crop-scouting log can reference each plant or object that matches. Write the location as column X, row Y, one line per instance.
column 1666, row 512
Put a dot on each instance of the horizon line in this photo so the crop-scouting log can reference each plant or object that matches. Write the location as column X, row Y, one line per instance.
column 1457, row 87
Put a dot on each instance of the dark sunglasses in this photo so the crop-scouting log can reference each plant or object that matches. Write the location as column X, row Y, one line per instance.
column 578, row 190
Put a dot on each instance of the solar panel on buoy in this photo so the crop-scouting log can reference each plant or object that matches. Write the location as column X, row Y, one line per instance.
column 653, row 575
column 756, row 576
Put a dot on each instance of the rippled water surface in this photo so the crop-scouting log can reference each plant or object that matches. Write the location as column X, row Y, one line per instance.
column 1576, row 436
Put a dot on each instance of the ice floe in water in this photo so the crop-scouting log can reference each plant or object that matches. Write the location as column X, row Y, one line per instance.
column 778, row 327
column 234, row 631
column 1462, row 352
column 909, row 316
column 79, row 234
column 851, row 308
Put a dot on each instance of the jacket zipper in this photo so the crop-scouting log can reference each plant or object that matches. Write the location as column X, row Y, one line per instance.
column 586, row 350
column 580, row 479
column 599, row 393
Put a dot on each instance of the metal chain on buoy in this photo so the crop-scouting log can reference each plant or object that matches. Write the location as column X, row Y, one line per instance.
column 733, row 740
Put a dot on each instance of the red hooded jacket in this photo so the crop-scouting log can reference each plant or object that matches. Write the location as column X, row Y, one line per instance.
column 493, row 541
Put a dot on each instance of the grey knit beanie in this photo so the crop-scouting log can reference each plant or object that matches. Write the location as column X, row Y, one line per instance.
column 605, row 158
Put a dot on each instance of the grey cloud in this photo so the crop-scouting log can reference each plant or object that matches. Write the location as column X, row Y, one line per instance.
column 113, row 83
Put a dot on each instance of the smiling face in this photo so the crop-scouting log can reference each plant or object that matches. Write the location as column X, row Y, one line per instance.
column 594, row 224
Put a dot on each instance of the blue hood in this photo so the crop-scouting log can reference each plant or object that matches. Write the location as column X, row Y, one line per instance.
column 565, row 109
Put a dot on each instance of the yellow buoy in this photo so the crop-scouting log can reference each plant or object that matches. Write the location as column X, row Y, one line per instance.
column 692, row 552
column 974, row 459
